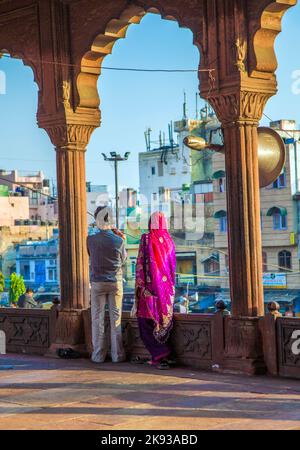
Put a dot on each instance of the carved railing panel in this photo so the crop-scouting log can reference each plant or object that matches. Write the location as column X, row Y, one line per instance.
column 27, row 331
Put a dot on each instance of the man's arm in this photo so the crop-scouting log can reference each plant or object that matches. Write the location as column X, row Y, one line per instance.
column 123, row 254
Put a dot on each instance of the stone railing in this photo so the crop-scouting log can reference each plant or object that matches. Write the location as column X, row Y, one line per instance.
column 281, row 345
column 197, row 339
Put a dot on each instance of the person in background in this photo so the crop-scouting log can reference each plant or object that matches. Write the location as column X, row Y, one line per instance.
column 221, row 306
column 107, row 254
column 155, row 289
column 184, row 305
column 273, row 308
column 289, row 311
column 27, row 301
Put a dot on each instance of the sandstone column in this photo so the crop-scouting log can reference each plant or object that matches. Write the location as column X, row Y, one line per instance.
column 239, row 113
column 70, row 142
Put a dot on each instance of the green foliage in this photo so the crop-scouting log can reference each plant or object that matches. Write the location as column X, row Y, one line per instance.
column 2, row 282
column 17, row 287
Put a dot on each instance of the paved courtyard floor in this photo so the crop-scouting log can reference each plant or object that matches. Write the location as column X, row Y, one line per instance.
column 42, row 393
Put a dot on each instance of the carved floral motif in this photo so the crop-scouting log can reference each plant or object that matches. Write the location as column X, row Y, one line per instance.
column 242, row 105
column 74, row 136
column 241, row 52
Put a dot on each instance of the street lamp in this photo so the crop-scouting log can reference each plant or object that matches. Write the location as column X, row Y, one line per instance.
column 116, row 158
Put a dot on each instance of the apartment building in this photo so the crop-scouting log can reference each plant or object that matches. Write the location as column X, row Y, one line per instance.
column 279, row 216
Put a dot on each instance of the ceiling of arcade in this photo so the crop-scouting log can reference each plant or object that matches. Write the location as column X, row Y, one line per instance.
column 65, row 41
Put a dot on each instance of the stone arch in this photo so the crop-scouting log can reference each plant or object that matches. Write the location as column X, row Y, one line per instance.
column 91, row 62
column 20, row 56
column 264, row 63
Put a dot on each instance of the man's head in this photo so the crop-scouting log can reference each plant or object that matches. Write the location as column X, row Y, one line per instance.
column 221, row 305
column 273, row 306
column 104, row 218
column 29, row 292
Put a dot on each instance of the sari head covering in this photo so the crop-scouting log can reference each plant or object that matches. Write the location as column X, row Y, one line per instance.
column 155, row 277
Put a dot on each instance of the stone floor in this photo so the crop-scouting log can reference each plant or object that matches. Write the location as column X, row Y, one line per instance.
column 42, row 393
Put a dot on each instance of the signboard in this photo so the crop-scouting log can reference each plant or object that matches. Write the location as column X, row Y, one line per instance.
column 186, row 279
column 275, row 280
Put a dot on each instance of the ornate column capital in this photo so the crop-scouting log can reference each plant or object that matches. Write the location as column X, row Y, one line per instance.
column 242, row 106
column 70, row 130
column 70, row 136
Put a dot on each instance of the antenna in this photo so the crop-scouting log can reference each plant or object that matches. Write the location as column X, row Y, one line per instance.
column 184, row 105
column 160, row 139
column 147, row 139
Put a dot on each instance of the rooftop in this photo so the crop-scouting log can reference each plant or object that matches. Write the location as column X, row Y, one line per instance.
column 43, row 393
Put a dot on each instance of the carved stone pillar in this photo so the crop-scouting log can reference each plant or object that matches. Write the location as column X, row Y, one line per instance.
column 240, row 113
column 70, row 142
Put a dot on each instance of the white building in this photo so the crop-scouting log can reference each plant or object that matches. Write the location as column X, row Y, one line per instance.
column 165, row 171
column 96, row 196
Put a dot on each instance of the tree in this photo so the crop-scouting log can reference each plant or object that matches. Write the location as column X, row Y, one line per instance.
column 2, row 283
column 17, row 287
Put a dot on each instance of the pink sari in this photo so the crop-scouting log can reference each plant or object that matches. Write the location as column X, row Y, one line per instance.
column 155, row 285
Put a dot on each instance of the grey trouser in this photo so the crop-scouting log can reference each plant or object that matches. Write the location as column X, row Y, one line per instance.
column 110, row 293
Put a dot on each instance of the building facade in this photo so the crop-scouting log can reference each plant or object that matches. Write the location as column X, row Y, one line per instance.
column 37, row 262
column 279, row 216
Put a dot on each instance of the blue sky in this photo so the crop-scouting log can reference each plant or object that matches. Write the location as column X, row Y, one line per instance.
column 131, row 102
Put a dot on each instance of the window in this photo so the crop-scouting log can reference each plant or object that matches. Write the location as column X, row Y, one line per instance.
column 264, row 261
column 280, row 183
column 133, row 268
column 152, row 170
column 223, row 224
column 26, row 272
column 52, row 274
column 279, row 222
column 212, row 267
column 221, row 185
column 160, row 166
column 284, row 260
column 222, row 217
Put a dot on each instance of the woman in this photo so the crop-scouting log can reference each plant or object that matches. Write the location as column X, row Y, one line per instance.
column 155, row 289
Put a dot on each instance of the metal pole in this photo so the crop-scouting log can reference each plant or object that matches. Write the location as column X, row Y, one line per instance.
column 115, row 158
column 117, row 193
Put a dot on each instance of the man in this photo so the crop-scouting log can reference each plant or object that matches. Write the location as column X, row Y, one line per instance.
column 107, row 256
column 221, row 307
column 184, row 304
column 26, row 300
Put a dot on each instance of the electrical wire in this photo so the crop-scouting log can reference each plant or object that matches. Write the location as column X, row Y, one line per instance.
column 127, row 69
column 285, row 131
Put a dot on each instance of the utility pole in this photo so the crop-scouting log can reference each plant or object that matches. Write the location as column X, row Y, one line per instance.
column 116, row 158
